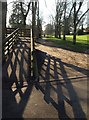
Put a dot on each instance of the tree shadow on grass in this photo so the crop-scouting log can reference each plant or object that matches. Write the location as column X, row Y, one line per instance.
column 54, row 80
column 67, row 45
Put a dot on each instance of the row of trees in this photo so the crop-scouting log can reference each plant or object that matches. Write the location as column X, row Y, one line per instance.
column 68, row 18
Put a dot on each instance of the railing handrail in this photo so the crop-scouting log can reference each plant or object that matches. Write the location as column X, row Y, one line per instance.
column 10, row 36
column 12, row 33
column 22, row 31
column 19, row 28
column 9, row 42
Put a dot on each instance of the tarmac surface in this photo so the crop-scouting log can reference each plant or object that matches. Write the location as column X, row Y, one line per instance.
column 61, row 91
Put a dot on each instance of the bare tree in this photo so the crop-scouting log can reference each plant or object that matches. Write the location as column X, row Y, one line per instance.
column 59, row 13
column 24, row 14
column 76, row 8
column 56, row 22
column 64, row 32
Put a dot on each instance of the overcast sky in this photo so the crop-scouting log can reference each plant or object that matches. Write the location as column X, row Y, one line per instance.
column 47, row 8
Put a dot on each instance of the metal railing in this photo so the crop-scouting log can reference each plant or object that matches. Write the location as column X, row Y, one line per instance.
column 9, row 42
column 22, row 32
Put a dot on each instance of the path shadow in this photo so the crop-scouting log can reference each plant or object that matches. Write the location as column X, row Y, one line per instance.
column 16, row 80
column 57, row 86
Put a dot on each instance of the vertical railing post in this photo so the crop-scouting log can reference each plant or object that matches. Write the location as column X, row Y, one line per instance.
column 31, row 55
column 34, row 6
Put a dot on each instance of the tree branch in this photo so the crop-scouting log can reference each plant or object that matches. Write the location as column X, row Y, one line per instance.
column 71, row 11
column 28, row 8
column 22, row 8
column 82, row 17
column 80, row 5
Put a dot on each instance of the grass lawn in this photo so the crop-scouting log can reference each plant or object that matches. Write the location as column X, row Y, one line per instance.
column 82, row 43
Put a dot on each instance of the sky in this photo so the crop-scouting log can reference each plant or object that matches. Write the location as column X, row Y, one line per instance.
column 46, row 8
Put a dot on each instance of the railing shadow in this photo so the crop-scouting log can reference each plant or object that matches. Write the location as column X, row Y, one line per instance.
column 53, row 79
column 16, row 80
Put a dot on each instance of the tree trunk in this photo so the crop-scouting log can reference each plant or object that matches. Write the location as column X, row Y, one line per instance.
column 57, row 25
column 56, row 31
column 59, row 36
column 82, row 28
column 24, row 22
column 64, row 38
column 75, row 26
column 74, row 35
column 59, row 30
column 59, row 33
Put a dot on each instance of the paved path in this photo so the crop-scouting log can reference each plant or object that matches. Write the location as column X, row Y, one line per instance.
column 61, row 91
column 63, row 80
column 16, row 75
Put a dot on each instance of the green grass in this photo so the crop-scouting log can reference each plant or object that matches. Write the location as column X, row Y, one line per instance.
column 82, row 43
column 80, row 38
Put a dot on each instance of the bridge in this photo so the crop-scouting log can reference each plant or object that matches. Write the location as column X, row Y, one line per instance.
column 35, row 84
column 18, row 68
